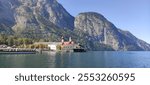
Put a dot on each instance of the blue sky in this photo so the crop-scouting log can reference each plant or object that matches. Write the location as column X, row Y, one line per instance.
column 131, row 15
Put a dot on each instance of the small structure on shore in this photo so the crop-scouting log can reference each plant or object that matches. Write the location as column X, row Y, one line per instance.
column 3, row 46
column 61, row 46
column 67, row 45
column 53, row 46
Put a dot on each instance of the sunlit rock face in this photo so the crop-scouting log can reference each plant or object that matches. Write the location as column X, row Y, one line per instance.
column 100, row 29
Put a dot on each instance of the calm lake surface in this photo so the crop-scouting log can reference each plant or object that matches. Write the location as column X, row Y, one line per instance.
column 91, row 59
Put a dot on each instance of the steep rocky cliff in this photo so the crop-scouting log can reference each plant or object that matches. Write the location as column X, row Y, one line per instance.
column 99, row 29
column 23, row 15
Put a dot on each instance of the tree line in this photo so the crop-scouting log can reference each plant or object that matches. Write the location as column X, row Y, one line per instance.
column 21, row 42
column 12, row 40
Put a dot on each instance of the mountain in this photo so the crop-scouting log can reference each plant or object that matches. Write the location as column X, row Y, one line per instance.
column 47, row 19
column 23, row 15
column 99, row 29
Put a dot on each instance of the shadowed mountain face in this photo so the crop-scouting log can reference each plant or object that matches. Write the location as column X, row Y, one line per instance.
column 22, row 15
column 47, row 18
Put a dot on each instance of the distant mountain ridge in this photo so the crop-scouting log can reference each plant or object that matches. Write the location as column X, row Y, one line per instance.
column 48, row 19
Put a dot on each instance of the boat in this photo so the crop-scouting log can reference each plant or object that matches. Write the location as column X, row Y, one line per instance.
column 79, row 50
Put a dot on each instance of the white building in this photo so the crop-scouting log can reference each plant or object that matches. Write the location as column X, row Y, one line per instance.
column 63, row 45
column 53, row 45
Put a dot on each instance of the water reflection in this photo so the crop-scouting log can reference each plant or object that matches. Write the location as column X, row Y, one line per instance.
column 97, row 59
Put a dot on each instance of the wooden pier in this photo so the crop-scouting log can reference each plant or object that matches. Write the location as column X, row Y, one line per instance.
column 17, row 51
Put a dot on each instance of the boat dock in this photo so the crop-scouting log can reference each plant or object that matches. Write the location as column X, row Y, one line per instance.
column 17, row 51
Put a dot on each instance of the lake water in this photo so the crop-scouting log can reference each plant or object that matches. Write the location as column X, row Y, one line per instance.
column 91, row 59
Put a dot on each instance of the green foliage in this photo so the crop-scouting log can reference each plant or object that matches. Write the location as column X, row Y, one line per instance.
column 58, row 47
column 10, row 41
column 3, row 39
column 13, row 40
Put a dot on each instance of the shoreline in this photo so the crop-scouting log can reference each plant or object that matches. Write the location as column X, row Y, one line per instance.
column 17, row 51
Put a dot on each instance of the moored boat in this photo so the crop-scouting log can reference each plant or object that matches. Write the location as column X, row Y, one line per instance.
column 79, row 50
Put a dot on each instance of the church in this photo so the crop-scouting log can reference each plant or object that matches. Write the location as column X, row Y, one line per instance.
column 63, row 45
column 67, row 45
